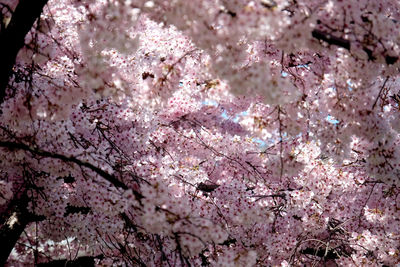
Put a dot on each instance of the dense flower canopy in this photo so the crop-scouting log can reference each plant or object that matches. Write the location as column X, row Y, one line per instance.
column 204, row 133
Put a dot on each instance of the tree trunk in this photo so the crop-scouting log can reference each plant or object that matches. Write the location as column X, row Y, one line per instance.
column 12, row 38
column 12, row 225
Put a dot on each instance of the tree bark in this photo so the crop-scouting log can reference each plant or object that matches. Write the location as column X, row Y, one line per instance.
column 12, row 38
column 12, row 225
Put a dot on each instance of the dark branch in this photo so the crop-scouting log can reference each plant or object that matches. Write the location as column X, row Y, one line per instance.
column 74, row 209
column 12, row 38
column 110, row 178
column 380, row 92
column 330, row 254
column 208, row 188
column 331, row 39
column 334, row 40
column 84, row 261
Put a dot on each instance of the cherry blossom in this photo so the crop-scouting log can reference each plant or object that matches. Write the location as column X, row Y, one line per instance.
column 201, row 133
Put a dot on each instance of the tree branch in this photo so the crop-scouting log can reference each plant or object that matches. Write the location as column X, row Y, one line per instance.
column 84, row 261
column 331, row 39
column 110, row 178
column 12, row 38
column 334, row 40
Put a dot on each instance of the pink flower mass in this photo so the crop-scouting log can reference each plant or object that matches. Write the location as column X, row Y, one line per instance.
column 199, row 133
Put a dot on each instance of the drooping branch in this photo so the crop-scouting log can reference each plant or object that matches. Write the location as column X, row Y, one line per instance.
column 106, row 176
column 12, row 38
column 20, row 218
column 110, row 178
